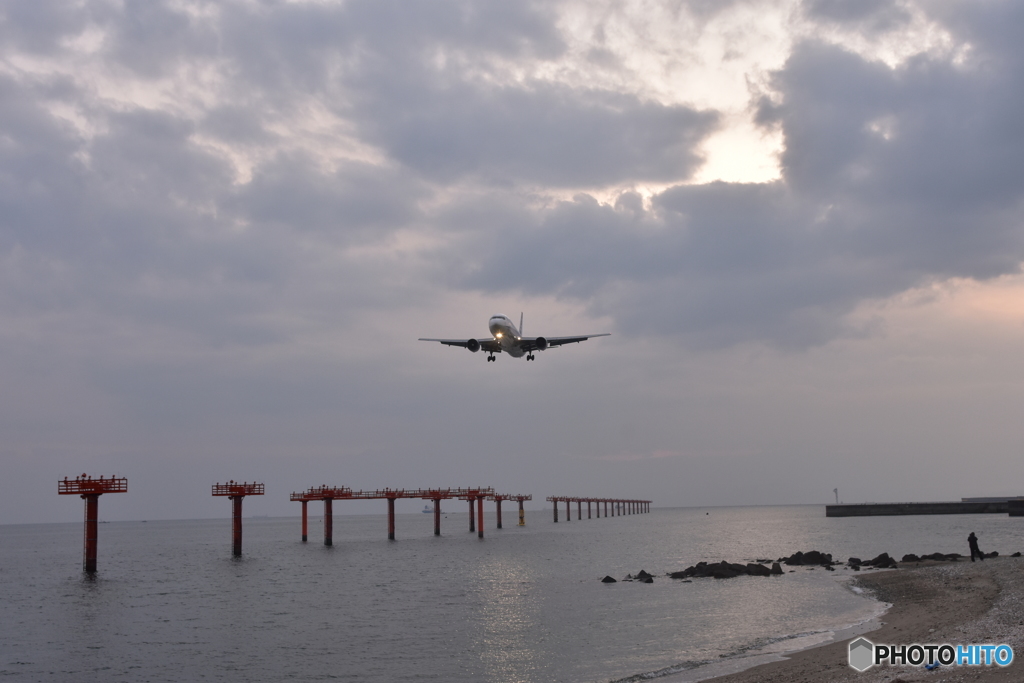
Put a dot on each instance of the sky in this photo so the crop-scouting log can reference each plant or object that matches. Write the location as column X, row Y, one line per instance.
column 224, row 226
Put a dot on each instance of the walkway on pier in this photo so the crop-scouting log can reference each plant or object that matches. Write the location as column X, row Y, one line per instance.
column 620, row 506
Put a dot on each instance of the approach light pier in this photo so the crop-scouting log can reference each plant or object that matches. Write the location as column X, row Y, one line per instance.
column 619, row 506
column 235, row 492
column 328, row 494
column 498, row 497
column 90, row 490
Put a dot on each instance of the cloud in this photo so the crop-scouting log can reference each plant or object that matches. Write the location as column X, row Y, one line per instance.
column 538, row 134
column 891, row 178
column 869, row 15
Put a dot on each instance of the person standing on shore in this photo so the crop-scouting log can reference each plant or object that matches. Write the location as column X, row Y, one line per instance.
column 972, row 541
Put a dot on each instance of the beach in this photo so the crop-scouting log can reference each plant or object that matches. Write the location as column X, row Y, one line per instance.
column 932, row 602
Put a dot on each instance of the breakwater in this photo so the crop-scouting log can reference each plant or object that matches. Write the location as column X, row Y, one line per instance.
column 950, row 508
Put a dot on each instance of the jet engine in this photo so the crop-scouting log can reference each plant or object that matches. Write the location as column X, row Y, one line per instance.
column 473, row 345
column 542, row 343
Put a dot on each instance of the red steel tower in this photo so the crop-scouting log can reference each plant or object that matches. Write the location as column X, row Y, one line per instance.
column 236, row 492
column 91, row 489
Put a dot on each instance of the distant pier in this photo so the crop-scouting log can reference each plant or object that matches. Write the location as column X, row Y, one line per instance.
column 992, row 507
column 620, row 506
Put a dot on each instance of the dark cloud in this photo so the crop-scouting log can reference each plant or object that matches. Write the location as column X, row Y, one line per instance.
column 40, row 27
column 357, row 201
column 429, row 84
column 540, row 134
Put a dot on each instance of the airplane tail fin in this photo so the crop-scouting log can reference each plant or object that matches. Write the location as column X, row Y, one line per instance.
column 521, row 324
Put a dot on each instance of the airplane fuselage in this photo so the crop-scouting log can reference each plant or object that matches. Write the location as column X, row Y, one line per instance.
column 504, row 330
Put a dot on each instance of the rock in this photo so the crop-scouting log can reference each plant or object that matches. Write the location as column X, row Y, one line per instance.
column 813, row 558
column 910, row 557
column 795, row 558
column 883, row 561
column 609, row 579
column 723, row 571
column 854, row 560
column 649, row 579
column 855, row 567
column 643, row 575
column 1016, row 554
column 776, row 569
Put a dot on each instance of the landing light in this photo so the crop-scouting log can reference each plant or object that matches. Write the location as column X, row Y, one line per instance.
column 499, row 335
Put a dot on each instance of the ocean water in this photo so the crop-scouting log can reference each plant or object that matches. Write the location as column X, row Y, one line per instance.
column 169, row 603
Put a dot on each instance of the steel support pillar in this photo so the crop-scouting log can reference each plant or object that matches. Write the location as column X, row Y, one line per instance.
column 437, row 516
column 305, row 520
column 472, row 517
column 391, row 519
column 588, row 509
column 522, row 514
column 236, row 525
column 497, row 511
column 328, row 522
column 554, row 506
column 92, row 508
column 480, row 514
column 568, row 512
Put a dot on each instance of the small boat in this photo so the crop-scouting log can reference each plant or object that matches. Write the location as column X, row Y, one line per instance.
column 428, row 510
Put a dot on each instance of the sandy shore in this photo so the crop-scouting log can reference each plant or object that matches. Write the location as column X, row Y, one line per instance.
column 957, row 603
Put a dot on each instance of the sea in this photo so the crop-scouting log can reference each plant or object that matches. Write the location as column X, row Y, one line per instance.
column 523, row 604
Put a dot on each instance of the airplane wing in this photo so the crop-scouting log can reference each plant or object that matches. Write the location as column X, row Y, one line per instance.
column 490, row 345
column 533, row 343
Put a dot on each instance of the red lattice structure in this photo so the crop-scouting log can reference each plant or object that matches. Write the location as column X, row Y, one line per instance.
column 498, row 497
column 233, row 488
column 620, row 506
column 91, row 489
column 236, row 491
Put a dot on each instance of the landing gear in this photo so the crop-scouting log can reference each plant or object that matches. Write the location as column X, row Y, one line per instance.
column 529, row 357
column 490, row 358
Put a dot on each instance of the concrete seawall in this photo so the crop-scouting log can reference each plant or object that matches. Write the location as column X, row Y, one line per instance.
column 883, row 509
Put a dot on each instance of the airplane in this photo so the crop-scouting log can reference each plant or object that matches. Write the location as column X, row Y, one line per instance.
column 505, row 337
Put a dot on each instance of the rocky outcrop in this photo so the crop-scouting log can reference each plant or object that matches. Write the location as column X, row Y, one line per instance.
column 608, row 579
column 812, row 558
column 883, row 561
column 758, row 570
column 723, row 570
